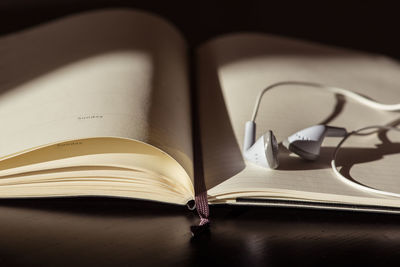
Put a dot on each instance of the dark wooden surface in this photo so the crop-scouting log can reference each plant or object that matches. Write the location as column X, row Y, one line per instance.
column 116, row 232
column 85, row 232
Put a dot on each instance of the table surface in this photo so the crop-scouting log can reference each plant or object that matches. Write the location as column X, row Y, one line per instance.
column 114, row 232
column 119, row 232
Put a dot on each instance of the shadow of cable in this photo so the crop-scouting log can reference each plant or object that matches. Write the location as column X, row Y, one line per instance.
column 348, row 157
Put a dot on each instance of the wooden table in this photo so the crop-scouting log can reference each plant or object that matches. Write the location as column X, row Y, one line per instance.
column 118, row 232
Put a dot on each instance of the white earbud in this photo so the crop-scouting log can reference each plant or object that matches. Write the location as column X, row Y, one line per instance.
column 263, row 152
column 307, row 143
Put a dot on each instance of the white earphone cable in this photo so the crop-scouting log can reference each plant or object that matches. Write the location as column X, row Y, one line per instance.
column 355, row 184
column 355, row 96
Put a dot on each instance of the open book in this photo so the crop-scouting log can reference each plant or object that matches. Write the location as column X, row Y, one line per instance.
column 101, row 104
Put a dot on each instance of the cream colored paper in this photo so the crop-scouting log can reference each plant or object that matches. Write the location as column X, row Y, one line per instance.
column 115, row 73
column 232, row 70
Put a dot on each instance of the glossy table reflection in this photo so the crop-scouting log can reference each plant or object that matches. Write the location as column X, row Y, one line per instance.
column 105, row 232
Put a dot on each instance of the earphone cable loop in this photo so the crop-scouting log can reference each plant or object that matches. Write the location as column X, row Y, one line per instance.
column 357, row 97
column 353, row 183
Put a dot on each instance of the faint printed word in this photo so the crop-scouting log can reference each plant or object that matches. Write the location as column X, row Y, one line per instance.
column 90, row 117
column 73, row 143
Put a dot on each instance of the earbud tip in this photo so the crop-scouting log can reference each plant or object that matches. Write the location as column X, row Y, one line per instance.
column 272, row 150
column 293, row 147
column 264, row 152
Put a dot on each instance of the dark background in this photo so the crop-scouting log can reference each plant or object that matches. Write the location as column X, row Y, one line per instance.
column 367, row 25
column 112, row 232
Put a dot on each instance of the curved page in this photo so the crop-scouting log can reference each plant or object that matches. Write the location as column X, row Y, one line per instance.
column 96, row 166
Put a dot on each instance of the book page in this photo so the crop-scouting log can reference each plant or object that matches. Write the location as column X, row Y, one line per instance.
column 232, row 70
column 108, row 73
column 58, row 170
